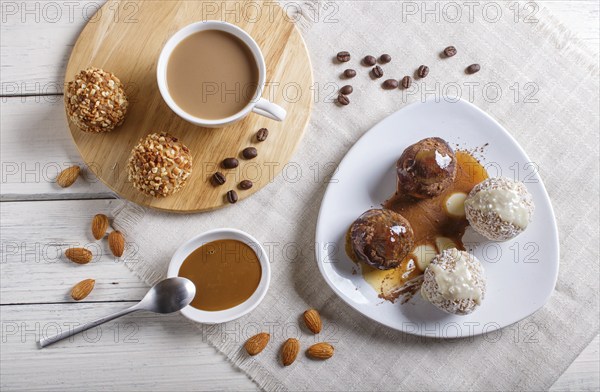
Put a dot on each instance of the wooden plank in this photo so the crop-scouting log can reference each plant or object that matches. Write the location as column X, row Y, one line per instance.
column 33, row 269
column 36, row 145
column 583, row 374
column 36, row 42
column 580, row 17
column 139, row 352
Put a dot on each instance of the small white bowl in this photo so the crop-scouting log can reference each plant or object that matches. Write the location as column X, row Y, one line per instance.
column 222, row 316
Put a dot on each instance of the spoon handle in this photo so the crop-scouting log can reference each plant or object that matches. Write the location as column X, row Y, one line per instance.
column 46, row 341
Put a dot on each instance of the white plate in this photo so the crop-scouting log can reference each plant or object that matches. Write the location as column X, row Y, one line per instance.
column 521, row 274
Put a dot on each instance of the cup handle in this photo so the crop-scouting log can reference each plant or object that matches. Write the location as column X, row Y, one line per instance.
column 270, row 110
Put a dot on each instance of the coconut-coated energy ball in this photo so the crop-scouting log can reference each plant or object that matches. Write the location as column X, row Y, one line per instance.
column 454, row 282
column 499, row 208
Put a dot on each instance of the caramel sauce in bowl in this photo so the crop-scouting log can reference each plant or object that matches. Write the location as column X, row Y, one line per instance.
column 231, row 271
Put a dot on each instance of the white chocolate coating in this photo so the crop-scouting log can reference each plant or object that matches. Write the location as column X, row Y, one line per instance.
column 443, row 161
column 499, row 208
column 506, row 203
column 454, row 282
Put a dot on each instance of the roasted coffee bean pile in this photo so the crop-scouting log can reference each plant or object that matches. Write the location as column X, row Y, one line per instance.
column 218, row 178
column 376, row 72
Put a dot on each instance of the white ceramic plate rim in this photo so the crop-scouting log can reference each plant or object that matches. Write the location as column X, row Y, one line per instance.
column 367, row 309
column 222, row 316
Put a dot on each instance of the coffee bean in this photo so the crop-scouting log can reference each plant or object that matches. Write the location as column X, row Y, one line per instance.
column 343, row 57
column 232, row 196
column 229, row 163
column 385, row 58
column 377, row 71
column 245, row 184
column 473, row 68
column 390, row 84
column 218, row 179
column 349, row 73
column 249, row 153
column 346, row 90
column 450, row 51
column 423, row 71
column 343, row 100
column 262, row 134
column 369, row 61
column 406, row 82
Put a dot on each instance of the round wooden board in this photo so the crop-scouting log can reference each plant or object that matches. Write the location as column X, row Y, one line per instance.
column 126, row 38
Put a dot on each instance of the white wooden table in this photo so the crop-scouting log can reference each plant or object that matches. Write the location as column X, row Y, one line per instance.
column 39, row 220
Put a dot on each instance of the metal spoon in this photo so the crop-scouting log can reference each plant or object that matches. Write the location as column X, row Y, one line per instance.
column 167, row 296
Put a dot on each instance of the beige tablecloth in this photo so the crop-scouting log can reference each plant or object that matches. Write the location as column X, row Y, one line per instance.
column 549, row 102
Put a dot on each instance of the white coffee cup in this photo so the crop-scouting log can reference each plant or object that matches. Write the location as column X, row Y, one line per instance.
column 257, row 104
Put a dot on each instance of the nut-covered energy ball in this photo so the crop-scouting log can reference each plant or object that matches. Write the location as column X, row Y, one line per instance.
column 499, row 208
column 159, row 165
column 381, row 238
column 426, row 168
column 454, row 282
column 96, row 101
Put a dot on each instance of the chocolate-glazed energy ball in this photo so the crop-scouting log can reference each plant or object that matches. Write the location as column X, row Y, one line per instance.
column 96, row 101
column 426, row 168
column 499, row 208
column 159, row 165
column 381, row 238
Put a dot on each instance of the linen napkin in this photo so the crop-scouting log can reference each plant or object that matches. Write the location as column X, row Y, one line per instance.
column 535, row 80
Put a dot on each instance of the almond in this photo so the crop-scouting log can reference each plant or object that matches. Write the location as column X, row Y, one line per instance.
column 289, row 351
column 320, row 351
column 313, row 320
column 99, row 226
column 79, row 255
column 257, row 343
column 116, row 243
column 67, row 177
column 82, row 289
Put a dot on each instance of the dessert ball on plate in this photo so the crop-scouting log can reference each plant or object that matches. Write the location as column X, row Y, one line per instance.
column 381, row 238
column 454, row 282
column 159, row 165
column 96, row 101
column 426, row 168
column 499, row 208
